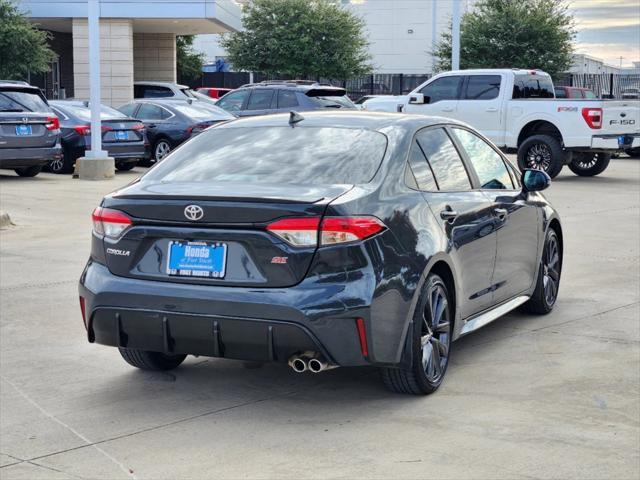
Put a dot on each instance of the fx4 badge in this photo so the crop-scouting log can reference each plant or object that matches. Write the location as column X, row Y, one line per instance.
column 279, row 260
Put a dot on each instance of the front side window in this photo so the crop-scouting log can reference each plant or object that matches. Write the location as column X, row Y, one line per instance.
column 232, row 102
column 487, row 163
column 444, row 88
column 444, row 159
column 483, row 87
column 301, row 155
column 260, row 100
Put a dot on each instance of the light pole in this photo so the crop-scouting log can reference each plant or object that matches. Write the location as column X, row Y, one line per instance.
column 96, row 164
column 434, row 36
column 455, row 35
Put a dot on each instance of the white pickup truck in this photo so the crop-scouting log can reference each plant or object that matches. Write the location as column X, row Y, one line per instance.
column 517, row 109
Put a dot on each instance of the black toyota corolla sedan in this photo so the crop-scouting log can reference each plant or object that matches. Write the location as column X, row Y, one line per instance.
column 321, row 240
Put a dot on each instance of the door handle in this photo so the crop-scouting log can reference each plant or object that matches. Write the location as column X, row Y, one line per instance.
column 151, row 125
column 501, row 213
column 492, row 109
column 448, row 215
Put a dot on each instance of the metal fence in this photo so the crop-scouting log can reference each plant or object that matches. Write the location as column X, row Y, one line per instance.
column 603, row 85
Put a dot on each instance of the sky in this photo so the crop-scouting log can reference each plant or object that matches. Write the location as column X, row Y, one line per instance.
column 608, row 29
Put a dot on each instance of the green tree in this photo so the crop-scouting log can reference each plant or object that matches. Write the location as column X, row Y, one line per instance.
column 299, row 38
column 189, row 62
column 24, row 48
column 512, row 34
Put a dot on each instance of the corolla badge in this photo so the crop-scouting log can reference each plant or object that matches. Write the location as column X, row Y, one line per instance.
column 193, row 212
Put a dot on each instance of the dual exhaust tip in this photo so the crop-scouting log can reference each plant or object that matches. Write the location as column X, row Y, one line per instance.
column 310, row 361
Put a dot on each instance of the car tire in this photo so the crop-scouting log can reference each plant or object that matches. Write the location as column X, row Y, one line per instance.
column 61, row 165
column 161, row 149
column 431, row 343
column 154, row 361
column 542, row 152
column 590, row 164
column 125, row 167
column 29, row 171
column 548, row 280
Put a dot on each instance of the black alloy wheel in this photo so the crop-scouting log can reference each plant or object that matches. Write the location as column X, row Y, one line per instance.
column 432, row 343
column 548, row 281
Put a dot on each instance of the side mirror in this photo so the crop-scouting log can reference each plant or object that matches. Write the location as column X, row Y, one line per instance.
column 417, row 99
column 535, row 180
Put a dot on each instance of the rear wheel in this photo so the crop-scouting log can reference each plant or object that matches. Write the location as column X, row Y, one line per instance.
column 125, row 167
column 548, row 282
column 161, row 149
column 542, row 152
column 431, row 343
column 29, row 171
column 590, row 164
column 151, row 360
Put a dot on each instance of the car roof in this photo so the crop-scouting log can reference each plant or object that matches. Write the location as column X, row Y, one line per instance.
column 162, row 84
column 345, row 119
column 17, row 84
column 301, row 85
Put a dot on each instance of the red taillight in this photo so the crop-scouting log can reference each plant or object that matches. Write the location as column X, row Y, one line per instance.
column 83, row 130
column 83, row 311
column 593, row 117
column 138, row 126
column 53, row 123
column 362, row 334
column 110, row 223
column 306, row 232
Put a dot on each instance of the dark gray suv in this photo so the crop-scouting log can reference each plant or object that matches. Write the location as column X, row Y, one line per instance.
column 283, row 96
column 29, row 130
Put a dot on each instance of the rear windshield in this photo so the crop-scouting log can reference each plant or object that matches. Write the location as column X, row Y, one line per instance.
column 533, row 86
column 300, row 155
column 333, row 102
column 84, row 113
column 21, row 100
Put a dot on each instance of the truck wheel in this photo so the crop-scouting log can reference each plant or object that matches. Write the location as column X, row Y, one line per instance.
column 590, row 164
column 542, row 152
column 29, row 171
column 151, row 360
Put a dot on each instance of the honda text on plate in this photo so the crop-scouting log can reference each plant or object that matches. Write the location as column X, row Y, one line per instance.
column 321, row 240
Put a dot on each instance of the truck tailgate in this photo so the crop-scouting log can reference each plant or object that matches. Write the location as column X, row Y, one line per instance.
column 621, row 116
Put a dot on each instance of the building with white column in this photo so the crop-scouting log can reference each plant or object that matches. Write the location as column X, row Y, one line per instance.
column 137, row 41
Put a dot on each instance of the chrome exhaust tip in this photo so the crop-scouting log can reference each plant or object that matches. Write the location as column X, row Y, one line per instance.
column 316, row 366
column 298, row 364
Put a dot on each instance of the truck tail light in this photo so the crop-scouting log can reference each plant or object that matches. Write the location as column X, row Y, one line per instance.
column 306, row 232
column 110, row 223
column 593, row 117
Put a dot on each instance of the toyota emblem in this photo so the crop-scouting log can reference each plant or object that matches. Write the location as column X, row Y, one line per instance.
column 193, row 212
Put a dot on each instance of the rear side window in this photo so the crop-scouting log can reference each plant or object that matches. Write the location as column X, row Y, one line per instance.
column 482, row 87
column 421, row 169
column 287, row 99
column 22, row 100
column 141, row 91
column 444, row 159
column 232, row 102
column 488, row 164
column 532, row 86
column 260, row 100
column 129, row 109
column 152, row 112
column 301, row 155
column 444, row 88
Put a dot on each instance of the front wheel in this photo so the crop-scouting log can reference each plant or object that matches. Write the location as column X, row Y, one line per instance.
column 542, row 152
column 548, row 281
column 432, row 321
column 29, row 171
column 161, row 149
column 155, row 361
column 590, row 164
column 125, row 167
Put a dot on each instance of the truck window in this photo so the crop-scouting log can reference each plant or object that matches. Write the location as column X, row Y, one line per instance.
column 482, row 87
column 532, row 85
column 444, row 88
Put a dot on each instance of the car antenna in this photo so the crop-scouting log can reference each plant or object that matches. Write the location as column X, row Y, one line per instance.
column 295, row 117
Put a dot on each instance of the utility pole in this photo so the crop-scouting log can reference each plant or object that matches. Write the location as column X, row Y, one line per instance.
column 96, row 164
column 434, row 37
column 455, row 35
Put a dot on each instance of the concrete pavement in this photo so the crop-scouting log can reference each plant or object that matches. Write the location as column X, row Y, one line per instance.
column 526, row 397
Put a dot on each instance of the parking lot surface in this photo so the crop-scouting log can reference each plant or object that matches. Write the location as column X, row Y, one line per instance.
column 525, row 397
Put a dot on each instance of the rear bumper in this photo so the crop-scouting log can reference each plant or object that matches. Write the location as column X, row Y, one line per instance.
column 612, row 142
column 28, row 157
column 231, row 322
